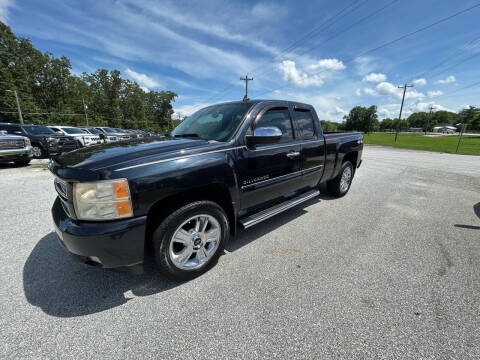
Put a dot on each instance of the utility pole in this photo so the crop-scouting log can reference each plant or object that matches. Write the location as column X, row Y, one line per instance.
column 246, row 79
column 85, row 110
column 404, row 87
column 429, row 117
column 464, row 125
column 20, row 117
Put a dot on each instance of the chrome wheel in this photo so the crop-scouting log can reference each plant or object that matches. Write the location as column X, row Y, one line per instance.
column 346, row 179
column 195, row 242
column 37, row 152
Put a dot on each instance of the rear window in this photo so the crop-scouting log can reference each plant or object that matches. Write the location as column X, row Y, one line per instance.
column 304, row 120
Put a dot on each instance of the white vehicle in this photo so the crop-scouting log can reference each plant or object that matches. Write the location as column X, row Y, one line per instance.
column 82, row 136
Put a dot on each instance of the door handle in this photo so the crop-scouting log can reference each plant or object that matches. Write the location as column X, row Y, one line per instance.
column 293, row 154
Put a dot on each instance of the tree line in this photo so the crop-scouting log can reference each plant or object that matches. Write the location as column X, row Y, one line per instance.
column 365, row 119
column 50, row 94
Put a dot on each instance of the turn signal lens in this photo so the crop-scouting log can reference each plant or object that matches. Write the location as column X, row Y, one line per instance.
column 123, row 208
column 121, row 190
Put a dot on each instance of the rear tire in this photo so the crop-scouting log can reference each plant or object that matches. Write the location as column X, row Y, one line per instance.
column 340, row 185
column 190, row 240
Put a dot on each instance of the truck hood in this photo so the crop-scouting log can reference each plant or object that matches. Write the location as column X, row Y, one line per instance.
column 110, row 154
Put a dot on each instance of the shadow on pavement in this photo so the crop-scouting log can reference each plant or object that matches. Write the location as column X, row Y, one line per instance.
column 57, row 284
column 62, row 287
column 476, row 210
column 471, row 227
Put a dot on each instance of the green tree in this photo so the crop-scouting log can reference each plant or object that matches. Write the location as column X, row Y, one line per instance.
column 51, row 94
column 362, row 119
column 329, row 125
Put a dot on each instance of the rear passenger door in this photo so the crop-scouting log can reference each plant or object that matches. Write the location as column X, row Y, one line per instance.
column 270, row 171
column 313, row 147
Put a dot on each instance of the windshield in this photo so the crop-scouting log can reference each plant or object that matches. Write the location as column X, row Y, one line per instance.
column 217, row 122
column 94, row 131
column 109, row 130
column 72, row 130
column 38, row 130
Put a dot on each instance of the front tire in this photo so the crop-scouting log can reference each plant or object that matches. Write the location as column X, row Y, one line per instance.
column 190, row 240
column 340, row 185
column 38, row 152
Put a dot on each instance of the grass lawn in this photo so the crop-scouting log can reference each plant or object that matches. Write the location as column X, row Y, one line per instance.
column 470, row 145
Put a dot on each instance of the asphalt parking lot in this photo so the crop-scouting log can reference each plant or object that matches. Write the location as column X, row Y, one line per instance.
column 392, row 270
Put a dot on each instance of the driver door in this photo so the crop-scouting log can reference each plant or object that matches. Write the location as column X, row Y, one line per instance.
column 270, row 171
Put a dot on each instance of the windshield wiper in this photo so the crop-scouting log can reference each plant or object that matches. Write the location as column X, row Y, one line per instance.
column 188, row 135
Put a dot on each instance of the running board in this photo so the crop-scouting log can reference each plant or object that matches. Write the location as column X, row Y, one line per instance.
column 277, row 209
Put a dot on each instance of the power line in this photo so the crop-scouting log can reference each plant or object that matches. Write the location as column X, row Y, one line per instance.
column 388, row 43
column 292, row 46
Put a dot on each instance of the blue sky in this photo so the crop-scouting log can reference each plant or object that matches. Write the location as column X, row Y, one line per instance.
column 200, row 49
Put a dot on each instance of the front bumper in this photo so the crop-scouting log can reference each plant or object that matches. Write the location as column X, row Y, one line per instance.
column 114, row 244
column 16, row 154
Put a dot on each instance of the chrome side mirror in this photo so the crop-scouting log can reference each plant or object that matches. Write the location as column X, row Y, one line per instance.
column 264, row 135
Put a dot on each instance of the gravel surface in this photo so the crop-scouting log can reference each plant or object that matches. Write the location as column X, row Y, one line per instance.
column 392, row 271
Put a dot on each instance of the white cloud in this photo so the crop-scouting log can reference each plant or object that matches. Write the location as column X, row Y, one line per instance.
column 447, row 80
column 143, row 80
column 425, row 107
column 390, row 90
column 420, row 82
column 375, row 77
column 327, row 64
column 291, row 74
column 4, row 11
column 358, row 92
column 294, row 76
column 269, row 11
column 434, row 93
column 370, row 91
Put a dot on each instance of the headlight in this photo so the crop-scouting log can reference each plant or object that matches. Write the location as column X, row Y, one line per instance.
column 54, row 140
column 27, row 142
column 102, row 200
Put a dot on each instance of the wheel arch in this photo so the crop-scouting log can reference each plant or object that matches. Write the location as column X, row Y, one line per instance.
column 216, row 192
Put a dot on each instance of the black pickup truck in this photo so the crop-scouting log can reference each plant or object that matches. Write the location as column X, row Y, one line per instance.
column 184, row 195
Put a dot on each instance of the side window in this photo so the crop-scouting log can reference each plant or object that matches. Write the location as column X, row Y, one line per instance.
column 304, row 120
column 280, row 118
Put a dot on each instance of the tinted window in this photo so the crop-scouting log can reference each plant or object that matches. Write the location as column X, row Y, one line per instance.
column 72, row 130
column 94, row 131
column 279, row 118
column 38, row 130
column 305, row 123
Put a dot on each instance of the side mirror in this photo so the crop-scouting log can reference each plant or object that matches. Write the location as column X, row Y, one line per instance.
column 264, row 135
column 102, row 136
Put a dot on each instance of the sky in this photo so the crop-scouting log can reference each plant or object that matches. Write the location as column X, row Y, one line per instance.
column 332, row 54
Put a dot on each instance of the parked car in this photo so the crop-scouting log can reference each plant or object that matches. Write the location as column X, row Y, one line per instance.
column 45, row 142
column 82, row 136
column 15, row 148
column 126, row 133
column 112, row 134
column 226, row 166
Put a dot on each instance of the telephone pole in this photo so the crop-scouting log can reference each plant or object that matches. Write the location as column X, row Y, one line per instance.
column 404, row 87
column 429, row 117
column 85, row 110
column 246, row 79
column 20, row 117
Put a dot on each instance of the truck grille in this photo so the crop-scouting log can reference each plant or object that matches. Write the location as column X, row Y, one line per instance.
column 11, row 144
